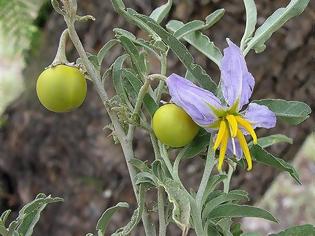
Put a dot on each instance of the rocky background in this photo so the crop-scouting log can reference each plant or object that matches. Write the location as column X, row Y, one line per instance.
column 69, row 155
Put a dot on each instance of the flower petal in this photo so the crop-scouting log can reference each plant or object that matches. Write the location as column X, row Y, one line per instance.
column 260, row 116
column 237, row 83
column 193, row 99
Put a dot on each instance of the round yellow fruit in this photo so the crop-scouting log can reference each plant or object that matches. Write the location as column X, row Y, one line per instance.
column 173, row 126
column 61, row 88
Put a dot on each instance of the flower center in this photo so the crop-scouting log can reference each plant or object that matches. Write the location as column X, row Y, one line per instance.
column 231, row 127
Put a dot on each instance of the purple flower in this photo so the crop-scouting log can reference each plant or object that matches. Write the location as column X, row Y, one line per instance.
column 227, row 120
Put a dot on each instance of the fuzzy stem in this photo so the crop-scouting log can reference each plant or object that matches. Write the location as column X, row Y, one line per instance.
column 161, row 203
column 159, row 89
column 61, row 57
column 96, row 77
column 210, row 162
column 227, row 181
column 143, row 91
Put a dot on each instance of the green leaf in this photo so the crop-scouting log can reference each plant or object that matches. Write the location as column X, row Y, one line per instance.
column 180, row 200
column 93, row 59
column 211, row 185
column 266, row 158
column 225, row 226
column 140, row 165
column 213, row 18
column 29, row 215
column 136, row 83
column 105, row 49
column 199, row 41
column 140, row 42
column 128, row 14
column 213, row 231
column 292, row 112
column 4, row 216
column 189, row 27
column 197, row 25
column 136, row 216
column 274, row 22
column 132, row 50
column 158, row 170
column 234, row 210
column 181, row 52
column 117, row 77
column 270, row 140
column 146, row 177
column 251, row 21
column 199, row 144
column 301, row 230
column 223, row 198
column 161, row 12
column 236, row 229
column 107, row 215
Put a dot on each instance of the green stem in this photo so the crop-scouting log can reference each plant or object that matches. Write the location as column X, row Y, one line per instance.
column 159, row 89
column 61, row 57
column 210, row 162
column 161, row 203
column 197, row 202
column 177, row 161
column 161, row 195
column 137, row 109
column 227, row 181
column 161, row 209
column 126, row 146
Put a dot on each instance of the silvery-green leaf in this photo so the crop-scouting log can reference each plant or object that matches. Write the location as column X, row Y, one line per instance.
column 133, row 51
column 270, row 140
column 213, row 18
column 199, row 144
column 181, row 52
column 211, row 185
column 300, row 230
column 136, row 216
column 146, row 177
column 128, row 14
column 223, row 198
column 136, row 84
column 198, row 25
column 139, row 42
column 262, row 156
column 225, row 226
column 199, row 41
column 251, row 20
column 274, row 22
column 3, row 231
column 29, row 215
column 139, row 165
column 4, row 216
column 234, row 210
column 189, row 27
column 161, row 12
column 181, row 203
column 107, row 215
column 117, row 77
column 105, row 49
column 292, row 112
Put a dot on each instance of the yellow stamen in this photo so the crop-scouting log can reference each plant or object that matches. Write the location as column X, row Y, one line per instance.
column 222, row 130
column 245, row 149
column 223, row 148
column 233, row 125
column 248, row 127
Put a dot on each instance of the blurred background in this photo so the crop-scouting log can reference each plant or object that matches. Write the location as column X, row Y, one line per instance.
column 69, row 155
